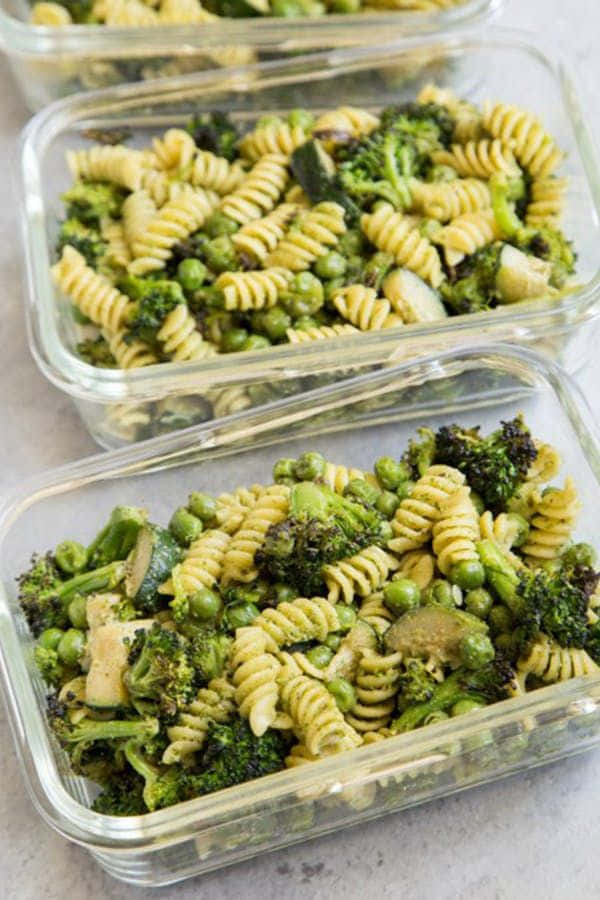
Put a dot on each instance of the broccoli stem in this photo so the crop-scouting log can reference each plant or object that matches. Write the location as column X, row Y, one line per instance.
column 117, row 537
column 111, row 730
column 500, row 575
column 102, row 579
column 445, row 695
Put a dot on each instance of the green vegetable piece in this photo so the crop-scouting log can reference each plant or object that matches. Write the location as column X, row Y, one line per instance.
column 442, row 593
column 465, row 706
column 71, row 646
column 476, row 650
column 205, row 605
column 202, row 505
column 333, row 641
column 320, row 656
column 500, row 619
column 401, row 595
column 276, row 322
column 233, row 340
column 50, row 638
column 479, row 602
column 220, row 225
column 363, row 491
column 361, row 637
column 387, row 503
column 343, row 693
column 185, row 527
column 432, row 632
column 579, row 555
column 191, row 274
column 332, row 265
column 284, row 593
column 117, row 537
column 71, row 557
column 241, row 614
column 155, row 553
column 77, row 612
column 467, row 574
column 346, row 616
column 256, row 342
column 390, row 473
column 309, row 466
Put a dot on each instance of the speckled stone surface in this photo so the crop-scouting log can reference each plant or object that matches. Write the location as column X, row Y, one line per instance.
column 534, row 835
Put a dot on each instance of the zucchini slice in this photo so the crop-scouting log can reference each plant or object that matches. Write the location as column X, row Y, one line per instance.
column 412, row 298
column 155, row 553
column 100, row 609
column 104, row 688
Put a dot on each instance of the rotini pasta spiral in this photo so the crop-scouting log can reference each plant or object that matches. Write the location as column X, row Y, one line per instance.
column 181, row 339
column 467, row 234
column 90, row 291
column 201, row 566
column 361, row 574
column 391, row 231
column 419, row 566
column 260, row 190
column 253, row 290
column 413, row 520
column 232, row 509
column 337, row 476
column 547, row 201
column 450, row 199
column 185, row 12
column 215, row 173
column 254, row 676
column 549, row 661
column 276, row 137
column 359, row 304
column 48, row 13
column 546, row 465
column 125, row 420
column 316, row 717
column 479, row 159
column 456, row 530
column 229, row 400
column 270, row 508
column 117, row 252
column 533, row 147
column 177, row 219
column 137, row 211
column 158, row 185
column 174, row 150
column 468, row 123
column 302, row 619
column 117, row 164
column 374, row 611
column 129, row 355
column 376, row 688
column 259, row 238
column 311, row 236
column 555, row 513
column 215, row 703
column 503, row 530
column 321, row 333
column 344, row 123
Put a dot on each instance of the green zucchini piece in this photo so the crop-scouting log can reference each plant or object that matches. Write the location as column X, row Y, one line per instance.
column 155, row 553
column 104, row 688
column 345, row 662
column 433, row 633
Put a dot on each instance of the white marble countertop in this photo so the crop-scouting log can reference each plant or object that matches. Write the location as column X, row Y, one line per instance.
column 532, row 835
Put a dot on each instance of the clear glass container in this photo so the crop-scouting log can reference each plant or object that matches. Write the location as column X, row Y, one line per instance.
column 352, row 423
column 120, row 407
column 50, row 63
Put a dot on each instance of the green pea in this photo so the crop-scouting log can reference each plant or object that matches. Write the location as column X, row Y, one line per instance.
column 320, row 656
column 343, row 693
column 241, row 614
column 191, row 274
column 391, row 473
column 50, row 638
column 346, row 616
column 386, row 532
column 441, row 173
column 276, row 322
column 387, row 503
column 284, row 470
column 504, row 642
column 479, row 602
column 306, row 283
column 580, row 555
column 233, row 340
column 301, row 118
column 305, row 323
column 351, row 243
column 401, row 595
column 331, row 286
column 467, row 574
column 522, row 526
column 476, row 650
column 309, row 466
column 404, row 490
column 77, row 612
column 500, row 619
column 442, row 593
column 202, row 505
column 362, row 490
column 71, row 557
column 333, row 641
column 185, row 526
column 71, row 646
column 221, row 255
column 465, row 706
column 219, row 224
column 205, row 605
column 284, row 593
column 256, row 342
column 346, row 6
column 332, row 265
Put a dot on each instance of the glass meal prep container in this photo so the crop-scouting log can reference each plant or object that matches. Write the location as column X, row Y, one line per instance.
column 51, row 62
column 355, row 423
column 119, row 407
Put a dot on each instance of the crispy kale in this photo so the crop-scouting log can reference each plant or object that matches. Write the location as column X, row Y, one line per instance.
column 471, row 286
column 494, row 466
column 160, row 673
column 117, row 537
column 84, row 239
column 322, row 527
column 91, row 201
column 485, row 685
column 96, row 352
column 216, row 132
column 154, row 300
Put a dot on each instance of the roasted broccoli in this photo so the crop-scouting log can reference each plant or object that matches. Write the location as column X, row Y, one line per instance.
column 91, row 201
column 84, row 239
column 154, row 300
column 96, row 352
column 550, row 245
column 208, row 653
column 160, row 673
column 216, row 132
column 122, row 794
column 421, row 452
column 471, row 286
column 314, row 170
column 416, row 685
column 38, row 594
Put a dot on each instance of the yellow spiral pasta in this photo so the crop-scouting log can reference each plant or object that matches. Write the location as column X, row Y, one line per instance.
column 361, row 574
column 253, row 290
column 232, row 509
column 254, row 676
column 270, row 509
column 320, row 333
column 467, row 234
column 456, row 530
column 546, row 465
column 316, row 717
column 374, row 611
column 296, row 195
column 479, row 159
column 419, row 566
column 346, row 122
column 413, row 520
column 126, row 419
column 391, row 231
column 117, row 164
column 215, row 703
column 259, row 238
column 48, row 13
column 547, row 201
column 125, row 13
column 503, row 530
column 201, row 565
column 229, row 400
column 185, row 12
column 374, row 737
column 337, row 476
column 215, row 173
column 302, row 619
column 360, row 306
column 555, row 514
column 177, row 219
column 549, row 661
column 174, row 150
column 138, row 209
column 376, row 687
column 129, row 355
column 450, row 199
column 533, row 147
column 260, row 190
column 90, row 291
column 314, row 233
column 181, row 339
column 117, row 252
column 158, row 185
column 467, row 118
column 276, row 137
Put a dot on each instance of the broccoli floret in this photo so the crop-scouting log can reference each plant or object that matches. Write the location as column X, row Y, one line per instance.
column 506, row 192
column 322, row 527
column 416, row 684
column 94, row 746
column 471, row 287
column 421, row 452
column 84, row 239
column 485, row 685
column 91, row 201
column 427, row 126
column 121, row 795
column 154, row 300
column 160, row 671
column 49, row 665
column 378, row 167
column 96, row 352
column 552, row 246
column 38, row 595
column 494, row 466
column 208, row 653
column 315, row 172
column 216, row 132
column 118, row 536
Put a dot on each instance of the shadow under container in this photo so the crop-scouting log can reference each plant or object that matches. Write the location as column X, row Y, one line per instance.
column 51, row 62
column 119, row 407
column 372, row 415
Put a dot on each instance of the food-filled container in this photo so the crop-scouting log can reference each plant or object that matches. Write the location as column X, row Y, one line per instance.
column 120, row 407
column 51, row 62
column 355, row 423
